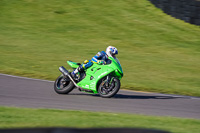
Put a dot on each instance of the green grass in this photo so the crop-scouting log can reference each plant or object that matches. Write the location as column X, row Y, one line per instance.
column 26, row 118
column 158, row 53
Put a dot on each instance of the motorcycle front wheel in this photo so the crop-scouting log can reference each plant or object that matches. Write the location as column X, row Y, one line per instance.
column 63, row 85
column 107, row 90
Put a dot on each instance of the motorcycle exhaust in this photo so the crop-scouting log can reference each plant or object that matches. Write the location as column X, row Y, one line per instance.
column 66, row 73
column 63, row 71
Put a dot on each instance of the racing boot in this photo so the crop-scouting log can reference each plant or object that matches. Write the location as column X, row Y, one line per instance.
column 74, row 73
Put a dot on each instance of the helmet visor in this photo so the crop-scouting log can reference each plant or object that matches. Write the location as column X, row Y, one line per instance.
column 113, row 55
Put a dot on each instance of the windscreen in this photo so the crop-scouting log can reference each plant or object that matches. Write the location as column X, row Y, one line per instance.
column 117, row 61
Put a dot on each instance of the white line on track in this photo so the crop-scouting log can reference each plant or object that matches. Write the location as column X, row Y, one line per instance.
column 26, row 78
column 161, row 94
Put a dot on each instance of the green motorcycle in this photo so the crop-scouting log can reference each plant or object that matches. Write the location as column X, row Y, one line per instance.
column 98, row 79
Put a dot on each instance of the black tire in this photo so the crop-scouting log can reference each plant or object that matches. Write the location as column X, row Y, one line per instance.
column 107, row 93
column 63, row 85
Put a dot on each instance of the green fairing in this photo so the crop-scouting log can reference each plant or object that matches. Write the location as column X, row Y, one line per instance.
column 73, row 64
column 97, row 72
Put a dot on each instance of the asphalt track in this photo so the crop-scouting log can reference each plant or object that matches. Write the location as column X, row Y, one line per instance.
column 32, row 93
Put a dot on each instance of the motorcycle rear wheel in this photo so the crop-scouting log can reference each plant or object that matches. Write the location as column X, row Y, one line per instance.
column 108, row 91
column 63, row 85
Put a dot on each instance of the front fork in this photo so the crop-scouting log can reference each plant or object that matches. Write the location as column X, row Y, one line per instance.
column 109, row 80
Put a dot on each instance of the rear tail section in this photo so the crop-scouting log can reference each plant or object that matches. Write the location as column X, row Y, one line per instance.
column 73, row 64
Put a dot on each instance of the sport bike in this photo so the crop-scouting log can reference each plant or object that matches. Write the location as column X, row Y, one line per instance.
column 103, row 79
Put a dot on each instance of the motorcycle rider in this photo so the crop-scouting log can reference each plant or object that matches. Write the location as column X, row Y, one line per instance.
column 99, row 58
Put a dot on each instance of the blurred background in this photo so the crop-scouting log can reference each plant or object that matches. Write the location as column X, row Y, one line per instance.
column 158, row 44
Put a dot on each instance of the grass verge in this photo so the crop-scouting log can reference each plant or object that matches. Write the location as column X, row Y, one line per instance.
column 11, row 117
